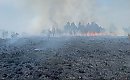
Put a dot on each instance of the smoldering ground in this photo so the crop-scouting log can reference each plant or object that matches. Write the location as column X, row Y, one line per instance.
column 66, row 58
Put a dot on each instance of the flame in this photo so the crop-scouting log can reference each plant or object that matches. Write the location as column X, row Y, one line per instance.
column 99, row 34
column 93, row 34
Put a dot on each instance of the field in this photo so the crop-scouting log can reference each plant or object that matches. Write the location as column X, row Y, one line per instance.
column 65, row 58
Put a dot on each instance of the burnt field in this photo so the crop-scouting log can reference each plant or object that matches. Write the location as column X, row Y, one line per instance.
column 65, row 58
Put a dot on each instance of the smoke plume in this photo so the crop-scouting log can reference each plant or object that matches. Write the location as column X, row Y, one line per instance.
column 33, row 16
column 48, row 13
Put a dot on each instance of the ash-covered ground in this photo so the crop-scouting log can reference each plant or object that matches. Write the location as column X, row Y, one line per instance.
column 65, row 58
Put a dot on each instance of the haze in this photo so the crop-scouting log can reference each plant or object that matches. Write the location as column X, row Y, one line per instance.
column 33, row 16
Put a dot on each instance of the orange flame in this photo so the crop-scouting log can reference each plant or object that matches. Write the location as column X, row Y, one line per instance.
column 93, row 34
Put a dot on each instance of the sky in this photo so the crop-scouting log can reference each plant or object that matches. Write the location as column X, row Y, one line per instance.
column 33, row 16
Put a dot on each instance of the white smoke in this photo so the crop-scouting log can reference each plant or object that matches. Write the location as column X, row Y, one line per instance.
column 48, row 13
column 43, row 14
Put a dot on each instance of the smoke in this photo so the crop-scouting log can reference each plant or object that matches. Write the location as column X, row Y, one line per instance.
column 48, row 13
column 33, row 16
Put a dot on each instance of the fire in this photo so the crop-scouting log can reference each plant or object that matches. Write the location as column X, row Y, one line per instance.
column 94, row 34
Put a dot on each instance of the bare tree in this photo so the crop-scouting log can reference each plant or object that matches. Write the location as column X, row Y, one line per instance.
column 52, row 32
column 129, row 36
column 4, row 34
column 14, row 35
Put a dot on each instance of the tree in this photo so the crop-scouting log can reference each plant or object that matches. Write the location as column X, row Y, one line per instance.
column 14, row 35
column 129, row 36
column 81, row 28
column 67, row 27
column 4, row 34
column 74, row 28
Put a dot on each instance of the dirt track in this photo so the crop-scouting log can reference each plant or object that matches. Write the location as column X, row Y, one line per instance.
column 77, row 58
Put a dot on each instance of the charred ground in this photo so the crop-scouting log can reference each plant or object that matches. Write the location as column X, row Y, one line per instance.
column 65, row 58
